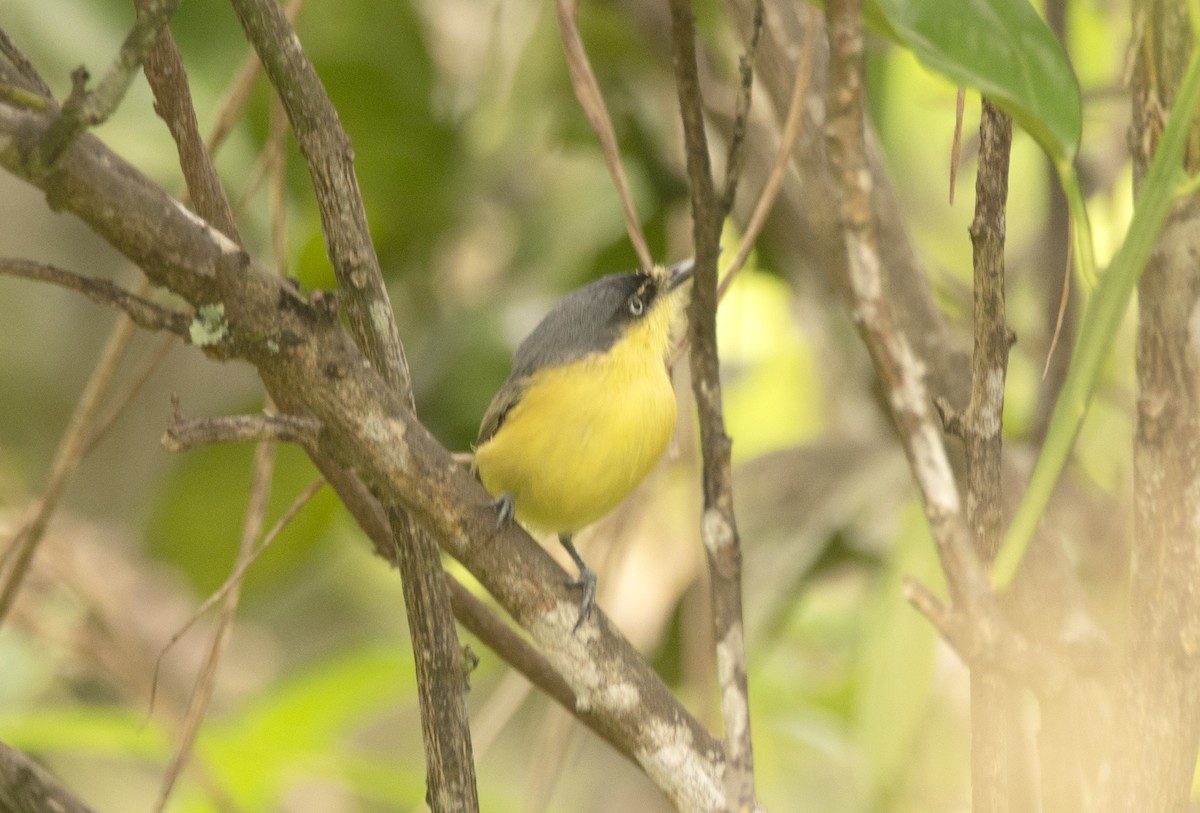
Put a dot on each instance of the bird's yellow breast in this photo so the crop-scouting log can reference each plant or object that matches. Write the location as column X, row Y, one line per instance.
column 585, row 433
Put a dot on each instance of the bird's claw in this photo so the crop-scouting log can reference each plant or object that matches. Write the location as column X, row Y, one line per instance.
column 505, row 506
column 586, row 580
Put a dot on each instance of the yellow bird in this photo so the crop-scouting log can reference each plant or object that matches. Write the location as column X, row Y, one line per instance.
column 587, row 410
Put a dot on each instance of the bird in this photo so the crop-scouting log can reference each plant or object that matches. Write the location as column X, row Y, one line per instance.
column 587, row 409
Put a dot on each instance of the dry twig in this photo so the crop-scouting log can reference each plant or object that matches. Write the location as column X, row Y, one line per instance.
column 587, row 91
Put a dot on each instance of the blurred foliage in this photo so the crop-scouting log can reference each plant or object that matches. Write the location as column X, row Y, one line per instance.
column 488, row 199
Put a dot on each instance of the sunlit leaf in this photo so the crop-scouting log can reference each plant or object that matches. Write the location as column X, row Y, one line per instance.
column 1001, row 48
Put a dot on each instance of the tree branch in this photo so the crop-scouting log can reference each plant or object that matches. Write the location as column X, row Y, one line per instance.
column 1157, row 696
column 326, row 148
column 189, row 433
column 84, row 108
column 899, row 369
column 330, row 158
column 1001, row 779
column 718, row 527
column 143, row 312
column 813, row 233
column 26, row 787
column 310, row 366
column 173, row 102
column 736, row 156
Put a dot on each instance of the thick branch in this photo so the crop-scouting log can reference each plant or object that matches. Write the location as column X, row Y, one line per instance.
column 1160, row 693
column 26, row 787
column 330, row 158
column 326, row 148
column 310, row 365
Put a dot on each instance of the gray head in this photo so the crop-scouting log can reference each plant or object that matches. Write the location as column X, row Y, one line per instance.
column 593, row 317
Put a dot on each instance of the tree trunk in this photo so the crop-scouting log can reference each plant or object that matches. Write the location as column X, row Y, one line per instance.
column 1161, row 702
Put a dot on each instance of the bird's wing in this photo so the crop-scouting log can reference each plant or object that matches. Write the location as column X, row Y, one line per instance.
column 507, row 398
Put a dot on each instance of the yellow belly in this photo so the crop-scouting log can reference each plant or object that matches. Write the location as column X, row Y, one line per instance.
column 580, row 439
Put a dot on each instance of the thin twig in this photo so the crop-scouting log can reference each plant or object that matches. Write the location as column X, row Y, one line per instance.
column 234, row 579
column 142, row 312
column 718, row 528
column 587, row 91
column 84, row 108
column 956, row 144
column 736, row 155
column 15, row 69
column 189, row 433
column 1063, row 300
column 783, row 156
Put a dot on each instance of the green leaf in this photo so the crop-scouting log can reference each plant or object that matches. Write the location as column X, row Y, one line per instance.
column 102, row 732
column 306, row 724
column 1001, row 48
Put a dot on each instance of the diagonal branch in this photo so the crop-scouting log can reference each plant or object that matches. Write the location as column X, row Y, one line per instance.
column 143, row 312
column 587, row 91
column 311, row 366
column 900, row 371
column 173, row 102
column 84, row 108
column 26, row 787
column 329, row 156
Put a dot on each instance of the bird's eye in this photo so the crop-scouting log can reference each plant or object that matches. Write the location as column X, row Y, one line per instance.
column 636, row 306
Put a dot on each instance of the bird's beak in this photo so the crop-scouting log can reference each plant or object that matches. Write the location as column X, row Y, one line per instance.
column 680, row 273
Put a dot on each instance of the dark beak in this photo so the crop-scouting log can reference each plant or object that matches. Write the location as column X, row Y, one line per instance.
column 680, row 273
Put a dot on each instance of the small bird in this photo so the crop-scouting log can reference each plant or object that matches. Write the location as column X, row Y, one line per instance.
column 587, row 410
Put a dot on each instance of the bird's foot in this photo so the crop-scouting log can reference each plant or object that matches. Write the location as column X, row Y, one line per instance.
column 586, row 580
column 506, row 509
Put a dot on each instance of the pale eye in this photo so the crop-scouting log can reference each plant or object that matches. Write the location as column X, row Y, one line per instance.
column 636, row 306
